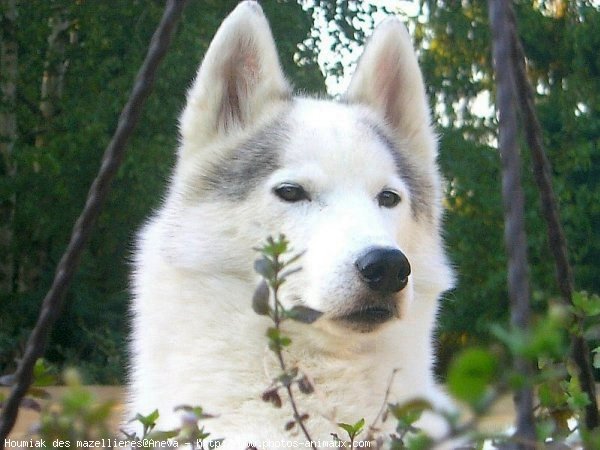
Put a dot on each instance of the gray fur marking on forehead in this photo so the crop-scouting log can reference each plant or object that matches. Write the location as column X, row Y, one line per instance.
column 421, row 190
column 242, row 169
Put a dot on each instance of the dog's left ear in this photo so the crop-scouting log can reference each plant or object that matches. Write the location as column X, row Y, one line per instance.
column 239, row 78
column 388, row 79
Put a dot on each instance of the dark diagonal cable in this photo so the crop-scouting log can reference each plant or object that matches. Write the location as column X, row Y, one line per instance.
column 513, row 200
column 556, row 238
column 52, row 303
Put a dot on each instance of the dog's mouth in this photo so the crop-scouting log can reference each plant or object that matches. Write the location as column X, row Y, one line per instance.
column 371, row 314
column 364, row 319
column 368, row 318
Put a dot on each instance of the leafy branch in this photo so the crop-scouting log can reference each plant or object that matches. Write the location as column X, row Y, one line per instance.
column 275, row 270
column 352, row 430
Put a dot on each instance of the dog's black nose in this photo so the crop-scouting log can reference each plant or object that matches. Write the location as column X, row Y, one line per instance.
column 384, row 270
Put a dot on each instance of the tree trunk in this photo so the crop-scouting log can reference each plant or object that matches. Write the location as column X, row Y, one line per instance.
column 514, row 222
column 55, row 67
column 29, row 266
column 8, row 138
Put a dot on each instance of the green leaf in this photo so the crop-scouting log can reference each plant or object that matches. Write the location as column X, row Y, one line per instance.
column 547, row 339
column 347, row 428
column 544, row 429
column 358, row 426
column 303, row 314
column 577, row 399
column 148, row 421
column 273, row 334
column 42, row 375
column 470, row 374
column 419, row 441
column 513, row 339
column 408, row 413
column 586, row 304
column 275, row 247
column 260, row 299
column 197, row 411
column 353, row 430
column 276, row 340
column 163, row 435
column 77, row 399
column 265, row 267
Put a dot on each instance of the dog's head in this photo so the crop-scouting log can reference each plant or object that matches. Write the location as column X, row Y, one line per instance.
column 353, row 183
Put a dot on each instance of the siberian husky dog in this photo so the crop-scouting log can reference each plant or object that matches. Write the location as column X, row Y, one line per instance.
column 354, row 185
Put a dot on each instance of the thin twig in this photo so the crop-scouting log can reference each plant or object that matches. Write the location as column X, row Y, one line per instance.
column 277, row 320
column 512, row 194
column 556, row 238
column 52, row 303
column 384, row 404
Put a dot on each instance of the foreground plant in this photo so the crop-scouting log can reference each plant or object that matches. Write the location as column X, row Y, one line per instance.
column 275, row 270
column 477, row 378
column 77, row 416
column 352, row 430
column 43, row 376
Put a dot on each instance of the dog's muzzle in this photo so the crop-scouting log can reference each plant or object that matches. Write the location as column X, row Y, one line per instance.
column 384, row 270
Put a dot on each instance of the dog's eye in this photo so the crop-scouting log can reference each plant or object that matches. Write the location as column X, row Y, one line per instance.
column 291, row 192
column 388, row 199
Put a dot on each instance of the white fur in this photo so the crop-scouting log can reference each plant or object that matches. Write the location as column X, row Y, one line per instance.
column 196, row 340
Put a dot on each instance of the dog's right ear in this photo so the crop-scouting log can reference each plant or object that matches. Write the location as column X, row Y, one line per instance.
column 239, row 78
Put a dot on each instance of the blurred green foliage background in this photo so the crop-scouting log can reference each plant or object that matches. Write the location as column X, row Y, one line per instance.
column 74, row 63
